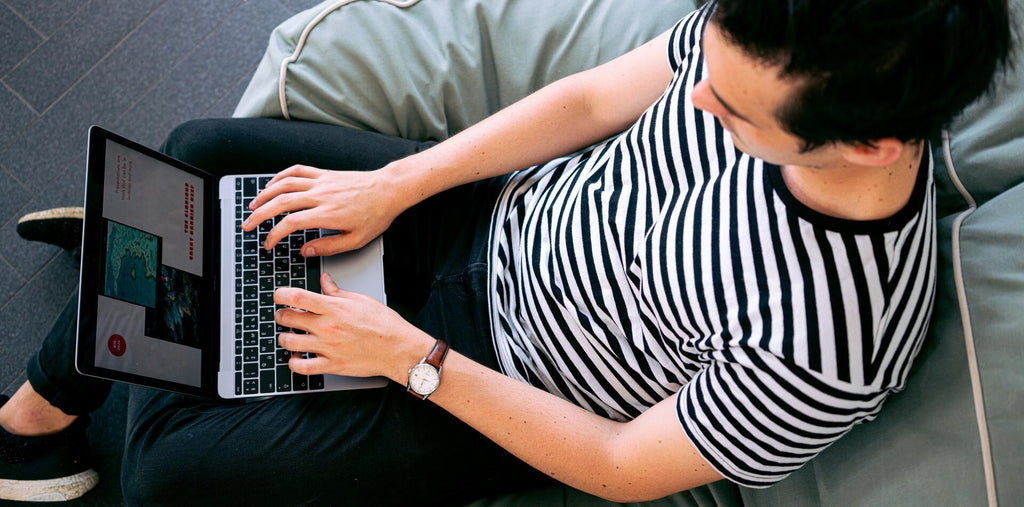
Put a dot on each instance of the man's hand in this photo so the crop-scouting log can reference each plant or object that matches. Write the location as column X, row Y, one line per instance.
column 358, row 204
column 351, row 334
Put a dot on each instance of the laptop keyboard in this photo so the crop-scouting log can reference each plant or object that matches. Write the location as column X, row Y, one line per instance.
column 261, row 366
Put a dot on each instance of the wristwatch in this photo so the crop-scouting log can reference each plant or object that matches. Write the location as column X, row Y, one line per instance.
column 426, row 375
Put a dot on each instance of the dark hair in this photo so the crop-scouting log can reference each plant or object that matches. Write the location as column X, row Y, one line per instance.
column 873, row 68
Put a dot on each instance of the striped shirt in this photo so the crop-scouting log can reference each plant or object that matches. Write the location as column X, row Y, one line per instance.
column 666, row 262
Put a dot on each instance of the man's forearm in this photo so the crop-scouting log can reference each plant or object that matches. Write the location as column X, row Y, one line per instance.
column 548, row 124
column 566, row 116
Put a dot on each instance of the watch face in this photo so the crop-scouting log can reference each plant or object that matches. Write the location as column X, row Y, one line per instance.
column 423, row 379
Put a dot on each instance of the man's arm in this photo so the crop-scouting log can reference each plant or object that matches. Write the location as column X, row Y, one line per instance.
column 643, row 459
column 563, row 117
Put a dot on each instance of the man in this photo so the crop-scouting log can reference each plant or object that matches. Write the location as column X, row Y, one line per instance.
column 741, row 273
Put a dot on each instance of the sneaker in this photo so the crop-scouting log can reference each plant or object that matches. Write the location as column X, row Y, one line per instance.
column 50, row 468
column 56, row 226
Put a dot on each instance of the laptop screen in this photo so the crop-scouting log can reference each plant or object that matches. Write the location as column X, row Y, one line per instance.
column 144, row 286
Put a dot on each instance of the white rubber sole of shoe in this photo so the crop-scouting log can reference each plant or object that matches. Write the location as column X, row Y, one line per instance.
column 74, row 212
column 51, row 490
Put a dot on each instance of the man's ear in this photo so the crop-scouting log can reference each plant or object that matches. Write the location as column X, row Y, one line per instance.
column 879, row 153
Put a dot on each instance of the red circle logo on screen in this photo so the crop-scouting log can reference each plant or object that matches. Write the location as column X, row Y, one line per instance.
column 117, row 345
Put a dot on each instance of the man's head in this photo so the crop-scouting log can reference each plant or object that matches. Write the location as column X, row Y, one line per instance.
column 853, row 71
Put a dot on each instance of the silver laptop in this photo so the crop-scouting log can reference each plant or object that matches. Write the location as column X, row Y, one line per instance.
column 175, row 296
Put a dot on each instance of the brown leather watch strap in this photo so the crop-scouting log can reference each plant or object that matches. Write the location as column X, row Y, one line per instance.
column 437, row 354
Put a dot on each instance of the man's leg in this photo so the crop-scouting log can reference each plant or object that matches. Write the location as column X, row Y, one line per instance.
column 379, row 446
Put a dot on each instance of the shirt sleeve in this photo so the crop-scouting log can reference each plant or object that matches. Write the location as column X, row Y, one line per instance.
column 756, row 418
column 685, row 35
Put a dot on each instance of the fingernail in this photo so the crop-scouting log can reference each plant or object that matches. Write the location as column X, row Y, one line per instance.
column 309, row 252
column 327, row 276
column 245, row 223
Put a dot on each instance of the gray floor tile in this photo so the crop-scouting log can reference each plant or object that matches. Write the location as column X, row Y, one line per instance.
column 27, row 317
column 16, row 115
column 300, row 5
column 109, row 90
column 47, row 16
column 17, row 38
column 13, row 376
column 10, row 282
column 195, row 85
column 75, row 48
column 225, row 106
column 14, row 196
column 26, row 257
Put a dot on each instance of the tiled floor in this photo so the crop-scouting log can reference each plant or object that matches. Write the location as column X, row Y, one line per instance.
column 138, row 67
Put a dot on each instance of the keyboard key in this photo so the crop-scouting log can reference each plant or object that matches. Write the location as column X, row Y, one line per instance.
column 250, row 292
column 281, row 265
column 267, row 314
column 267, row 345
column 250, row 247
column 265, row 255
column 266, row 284
column 295, row 257
column 250, row 277
column 313, row 276
column 251, row 370
column 250, row 307
column 249, row 187
column 283, row 356
column 298, row 271
column 238, row 347
column 267, row 330
column 238, row 384
column 312, row 234
column 250, row 338
column 250, row 324
column 266, row 269
column 250, row 354
column 282, row 280
column 249, row 262
column 262, row 182
column 266, row 361
column 316, row 381
column 267, row 384
column 299, row 382
column 251, row 386
column 281, row 249
column 284, row 379
column 299, row 283
column 267, row 299
column 238, row 184
column 238, row 363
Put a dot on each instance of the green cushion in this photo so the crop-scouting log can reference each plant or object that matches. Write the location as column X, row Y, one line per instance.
column 432, row 69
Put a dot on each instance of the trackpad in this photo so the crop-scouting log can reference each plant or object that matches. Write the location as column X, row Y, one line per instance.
column 359, row 271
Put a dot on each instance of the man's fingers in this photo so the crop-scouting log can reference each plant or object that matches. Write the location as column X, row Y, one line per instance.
column 301, row 299
column 298, row 343
column 330, row 245
column 308, row 366
column 302, row 171
column 290, row 223
column 286, row 185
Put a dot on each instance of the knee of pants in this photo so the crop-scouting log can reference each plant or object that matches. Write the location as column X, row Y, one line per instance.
column 193, row 136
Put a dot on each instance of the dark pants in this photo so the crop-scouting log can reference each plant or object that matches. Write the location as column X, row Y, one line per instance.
column 366, row 447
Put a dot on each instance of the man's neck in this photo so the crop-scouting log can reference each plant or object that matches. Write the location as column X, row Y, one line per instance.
column 857, row 192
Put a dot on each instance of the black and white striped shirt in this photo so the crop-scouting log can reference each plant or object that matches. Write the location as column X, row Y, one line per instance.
column 664, row 261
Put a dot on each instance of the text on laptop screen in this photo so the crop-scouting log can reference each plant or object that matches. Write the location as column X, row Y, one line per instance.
column 149, row 316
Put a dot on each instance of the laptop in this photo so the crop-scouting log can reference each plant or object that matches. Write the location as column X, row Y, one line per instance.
column 173, row 295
